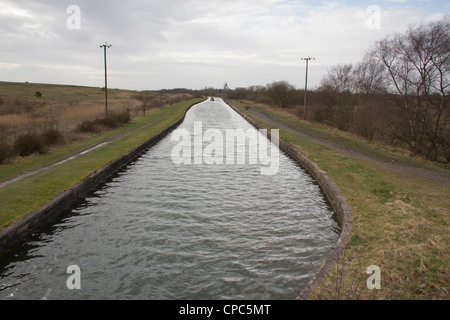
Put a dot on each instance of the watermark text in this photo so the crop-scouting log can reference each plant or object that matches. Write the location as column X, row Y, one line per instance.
column 212, row 147
column 374, row 280
column 73, row 22
column 374, row 17
column 74, row 280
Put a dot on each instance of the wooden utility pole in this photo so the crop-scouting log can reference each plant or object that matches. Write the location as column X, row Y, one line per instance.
column 104, row 46
column 306, row 85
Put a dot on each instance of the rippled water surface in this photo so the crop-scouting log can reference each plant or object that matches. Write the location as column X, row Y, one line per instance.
column 158, row 230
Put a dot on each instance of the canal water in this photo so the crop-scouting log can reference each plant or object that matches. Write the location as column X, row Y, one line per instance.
column 163, row 230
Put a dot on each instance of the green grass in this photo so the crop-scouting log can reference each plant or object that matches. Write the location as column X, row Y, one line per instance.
column 401, row 222
column 22, row 197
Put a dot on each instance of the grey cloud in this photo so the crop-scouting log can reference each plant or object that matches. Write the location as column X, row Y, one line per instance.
column 159, row 42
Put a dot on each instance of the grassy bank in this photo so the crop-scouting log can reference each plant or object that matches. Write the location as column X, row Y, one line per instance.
column 401, row 222
column 22, row 197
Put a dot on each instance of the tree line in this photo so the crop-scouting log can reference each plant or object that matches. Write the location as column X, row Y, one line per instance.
column 398, row 93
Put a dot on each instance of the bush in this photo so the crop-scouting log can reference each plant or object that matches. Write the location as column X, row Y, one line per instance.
column 125, row 116
column 323, row 115
column 29, row 143
column 118, row 119
column 87, row 127
column 52, row 137
column 5, row 152
column 109, row 122
column 113, row 120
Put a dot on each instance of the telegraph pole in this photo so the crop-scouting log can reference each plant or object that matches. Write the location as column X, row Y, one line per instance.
column 306, row 85
column 104, row 46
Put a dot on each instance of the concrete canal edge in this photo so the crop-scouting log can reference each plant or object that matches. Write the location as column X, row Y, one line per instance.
column 334, row 196
column 22, row 228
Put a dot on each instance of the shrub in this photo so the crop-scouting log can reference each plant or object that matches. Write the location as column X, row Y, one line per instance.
column 124, row 116
column 87, row 127
column 112, row 120
column 323, row 115
column 117, row 119
column 29, row 143
column 52, row 136
column 5, row 152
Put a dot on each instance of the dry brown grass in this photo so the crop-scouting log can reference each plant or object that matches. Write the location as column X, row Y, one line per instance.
column 11, row 121
column 64, row 108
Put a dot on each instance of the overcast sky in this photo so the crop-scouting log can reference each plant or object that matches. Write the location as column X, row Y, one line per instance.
column 163, row 44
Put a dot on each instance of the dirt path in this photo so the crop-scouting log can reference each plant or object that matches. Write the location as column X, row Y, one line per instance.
column 396, row 164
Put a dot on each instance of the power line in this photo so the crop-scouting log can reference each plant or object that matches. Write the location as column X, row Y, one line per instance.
column 104, row 46
column 306, row 85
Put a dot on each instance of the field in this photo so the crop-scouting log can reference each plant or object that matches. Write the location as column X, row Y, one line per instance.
column 63, row 107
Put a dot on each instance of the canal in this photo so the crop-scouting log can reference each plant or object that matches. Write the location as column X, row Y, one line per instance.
column 160, row 229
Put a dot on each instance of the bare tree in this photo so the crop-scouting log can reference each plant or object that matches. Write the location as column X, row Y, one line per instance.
column 146, row 101
column 440, row 60
column 368, row 77
column 417, row 64
column 368, row 82
column 338, row 83
column 399, row 72
column 281, row 93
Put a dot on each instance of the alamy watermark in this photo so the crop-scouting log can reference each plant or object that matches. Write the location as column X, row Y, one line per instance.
column 74, row 280
column 374, row 280
column 191, row 148
column 73, row 22
column 373, row 21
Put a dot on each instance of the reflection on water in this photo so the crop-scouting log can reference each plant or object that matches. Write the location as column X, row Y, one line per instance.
column 157, row 230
